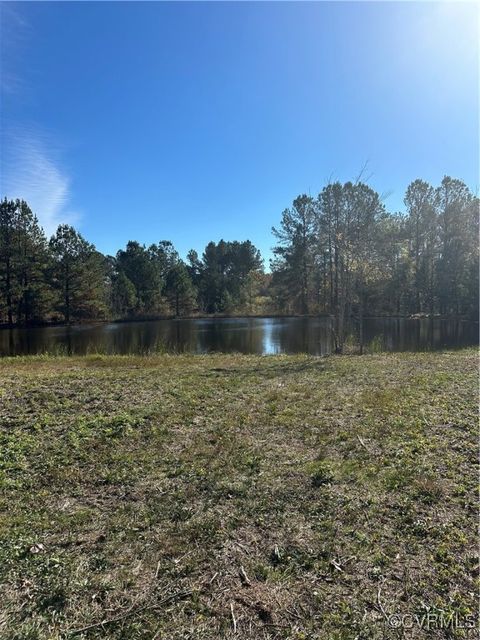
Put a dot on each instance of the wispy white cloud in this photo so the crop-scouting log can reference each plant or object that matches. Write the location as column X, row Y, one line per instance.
column 31, row 171
column 15, row 32
column 30, row 161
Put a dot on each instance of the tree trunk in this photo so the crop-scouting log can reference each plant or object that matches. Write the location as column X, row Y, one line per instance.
column 360, row 328
column 8, row 283
column 67, row 296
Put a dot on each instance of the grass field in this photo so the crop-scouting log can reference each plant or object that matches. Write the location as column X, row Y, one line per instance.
column 238, row 496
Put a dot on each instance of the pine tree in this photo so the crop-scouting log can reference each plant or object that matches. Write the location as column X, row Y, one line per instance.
column 79, row 275
column 24, row 262
column 179, row 289
column 8, row 276
column 294, row 252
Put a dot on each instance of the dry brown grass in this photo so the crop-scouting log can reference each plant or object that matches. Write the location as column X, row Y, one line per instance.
column 237, row 496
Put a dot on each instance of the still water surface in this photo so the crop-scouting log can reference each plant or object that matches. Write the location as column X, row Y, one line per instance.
column 243, row 335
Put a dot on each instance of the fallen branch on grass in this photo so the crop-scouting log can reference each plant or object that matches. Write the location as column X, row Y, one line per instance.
column 363, row 444
column 234, row 620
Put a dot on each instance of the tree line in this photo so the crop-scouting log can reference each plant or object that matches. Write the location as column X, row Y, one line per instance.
column 342, row 253
column 66, row 279
column 339, row 253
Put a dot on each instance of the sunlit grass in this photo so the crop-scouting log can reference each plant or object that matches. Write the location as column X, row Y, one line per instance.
column 159, row 493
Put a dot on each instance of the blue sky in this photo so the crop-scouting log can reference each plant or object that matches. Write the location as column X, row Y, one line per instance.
column 196, row 121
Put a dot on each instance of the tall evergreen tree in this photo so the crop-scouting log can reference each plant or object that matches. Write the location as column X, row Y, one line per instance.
column 123, row 296
column 24, row 261
column 224, row 274
column 79, row 275
column 294, row 251
column 179, row 289
column 422, row 226
column 453, row 201
column 138, row 265
column 35, row 293
column 8, row 276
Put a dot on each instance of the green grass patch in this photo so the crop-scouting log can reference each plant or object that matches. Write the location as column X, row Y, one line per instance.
column 151, row 497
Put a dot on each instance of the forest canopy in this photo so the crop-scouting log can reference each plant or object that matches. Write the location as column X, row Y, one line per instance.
column 340, row 253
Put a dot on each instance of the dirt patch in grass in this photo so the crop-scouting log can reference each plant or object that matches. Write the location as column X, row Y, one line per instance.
column 238, row 496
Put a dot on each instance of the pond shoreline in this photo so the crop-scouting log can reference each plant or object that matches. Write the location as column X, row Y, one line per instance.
column 313, row 335
column 214, row 316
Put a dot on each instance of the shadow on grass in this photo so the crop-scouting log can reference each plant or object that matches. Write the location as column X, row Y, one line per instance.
column 268, row 370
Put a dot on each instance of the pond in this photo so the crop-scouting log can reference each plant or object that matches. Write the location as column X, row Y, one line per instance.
column 244, row 335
